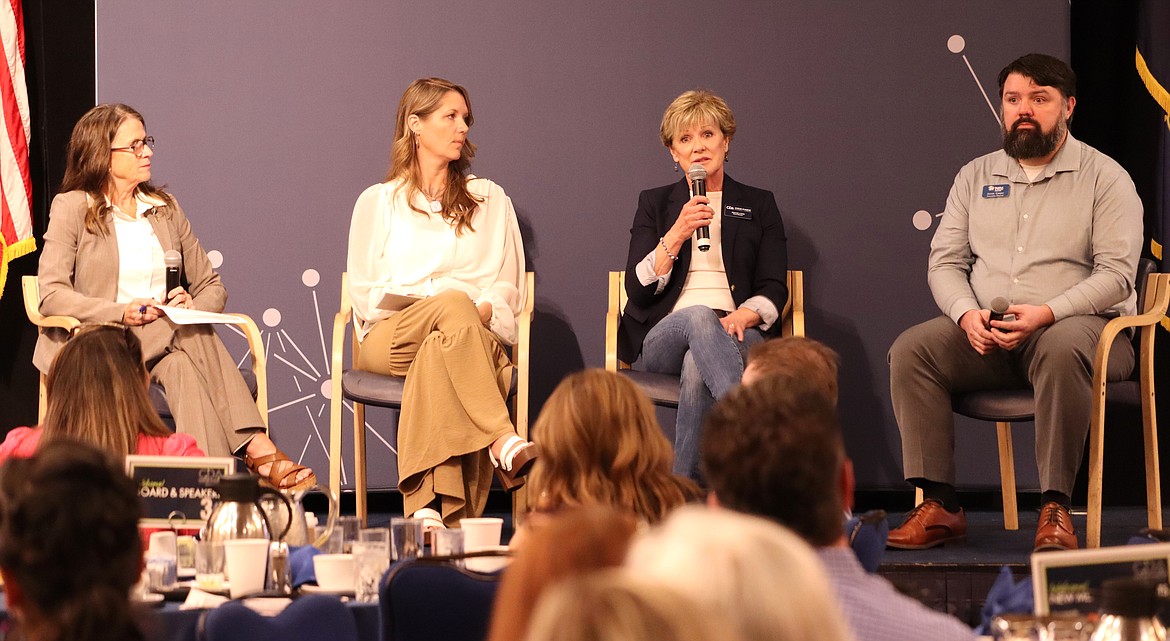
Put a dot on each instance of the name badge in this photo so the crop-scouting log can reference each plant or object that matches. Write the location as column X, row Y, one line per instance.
column 742, row 213
column 996, row 191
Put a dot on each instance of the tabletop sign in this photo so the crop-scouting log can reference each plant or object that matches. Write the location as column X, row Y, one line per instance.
column 1070, row 581
column 182, row 486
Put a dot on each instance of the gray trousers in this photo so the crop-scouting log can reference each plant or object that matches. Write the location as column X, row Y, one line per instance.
column 933, row 359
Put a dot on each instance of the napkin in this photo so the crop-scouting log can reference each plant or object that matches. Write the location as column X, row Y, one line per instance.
column 199, row 600
column 1007, row 596
column 300, row 561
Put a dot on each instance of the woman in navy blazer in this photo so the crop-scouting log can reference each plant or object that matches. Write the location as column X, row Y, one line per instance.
column 696, row 313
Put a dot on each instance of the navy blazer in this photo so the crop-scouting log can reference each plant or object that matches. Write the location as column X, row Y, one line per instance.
column 755, row 256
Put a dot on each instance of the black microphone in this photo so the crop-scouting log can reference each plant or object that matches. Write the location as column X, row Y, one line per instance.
column 174, row 262
column 698, row 177
column 999, row 306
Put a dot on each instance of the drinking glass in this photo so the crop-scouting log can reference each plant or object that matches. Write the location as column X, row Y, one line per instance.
column 406, row 537
column 371, row 560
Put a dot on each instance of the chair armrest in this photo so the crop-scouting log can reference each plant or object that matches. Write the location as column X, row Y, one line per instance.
column 32, row 307
column 613, row 315
column 259, row 363
column 1157, row 301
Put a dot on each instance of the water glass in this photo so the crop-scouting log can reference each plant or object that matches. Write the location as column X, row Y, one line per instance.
column 209, row 565
column 371, row 560
column 406, row 537
column 447, row 543
column 377, row 534
column 348, row 527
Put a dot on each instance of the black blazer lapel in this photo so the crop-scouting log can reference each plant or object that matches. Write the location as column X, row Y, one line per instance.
column 732, row 195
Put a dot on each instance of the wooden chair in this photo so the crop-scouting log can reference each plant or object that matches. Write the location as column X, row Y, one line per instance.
column 366, row 388
column 663, row 388
column 255, row 376
column 1004, row 407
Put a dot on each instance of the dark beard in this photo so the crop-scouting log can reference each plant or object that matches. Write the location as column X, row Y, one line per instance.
column 1031, row 143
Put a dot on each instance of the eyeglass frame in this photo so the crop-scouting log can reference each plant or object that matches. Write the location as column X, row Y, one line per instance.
column 142, row 144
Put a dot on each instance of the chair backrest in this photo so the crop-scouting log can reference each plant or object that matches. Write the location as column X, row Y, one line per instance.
column 316, row 617
column 791, row 324
column 425, row 600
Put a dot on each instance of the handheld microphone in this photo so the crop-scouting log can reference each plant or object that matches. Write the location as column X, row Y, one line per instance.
column 174, row 262
column 698, row 177
column 999, row 306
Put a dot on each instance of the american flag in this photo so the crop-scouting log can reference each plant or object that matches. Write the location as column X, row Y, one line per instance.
column 16, row 230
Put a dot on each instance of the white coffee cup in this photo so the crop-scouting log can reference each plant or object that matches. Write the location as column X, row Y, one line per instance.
column 335, row 572
column 481, row 533
column 246, row 561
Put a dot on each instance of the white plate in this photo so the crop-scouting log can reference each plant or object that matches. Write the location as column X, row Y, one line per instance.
column 316, row 589
column 149, row 597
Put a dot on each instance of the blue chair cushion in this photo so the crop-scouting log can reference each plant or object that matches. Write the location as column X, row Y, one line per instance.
column 316, row 617
column 382, row 390
column 1009, row 405
column 661, row 388
column 424, row 600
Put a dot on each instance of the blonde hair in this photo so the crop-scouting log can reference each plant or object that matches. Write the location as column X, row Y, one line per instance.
column 601, row 444
column 87, row 162
column 696, row 107
column 421, row 99
column 569, row 543
column 768, row 581
column 97, row 392
column 615, row 606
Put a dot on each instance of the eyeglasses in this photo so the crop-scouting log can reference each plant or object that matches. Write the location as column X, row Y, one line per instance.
column 137, row 147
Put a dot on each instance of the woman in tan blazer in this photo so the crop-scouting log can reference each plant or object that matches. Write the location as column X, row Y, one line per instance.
column 109, row 228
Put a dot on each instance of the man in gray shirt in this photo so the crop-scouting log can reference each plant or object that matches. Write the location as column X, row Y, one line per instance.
column 1054, row 228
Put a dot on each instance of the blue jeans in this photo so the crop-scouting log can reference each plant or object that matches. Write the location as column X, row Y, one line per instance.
column 692, row 344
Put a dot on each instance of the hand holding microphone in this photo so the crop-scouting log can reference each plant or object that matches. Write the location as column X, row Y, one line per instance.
column 999, row 307
column 174, row 263
column 698, row 177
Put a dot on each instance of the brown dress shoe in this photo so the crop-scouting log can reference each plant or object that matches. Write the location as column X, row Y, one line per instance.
column 928, row 525
column 1055, row 529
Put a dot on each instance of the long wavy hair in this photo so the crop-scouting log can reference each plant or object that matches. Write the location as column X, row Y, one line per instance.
column 421, row 99
column 69, row 544
column 97, row 392
column 87, row 162
column 601, row 444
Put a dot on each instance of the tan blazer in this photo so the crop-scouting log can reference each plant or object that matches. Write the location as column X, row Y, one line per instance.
column 78, row 273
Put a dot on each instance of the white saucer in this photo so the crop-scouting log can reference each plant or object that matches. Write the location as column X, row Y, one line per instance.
column 316, row 589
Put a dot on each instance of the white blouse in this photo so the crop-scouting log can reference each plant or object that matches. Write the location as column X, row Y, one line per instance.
column 394, row 249
column 141, row 272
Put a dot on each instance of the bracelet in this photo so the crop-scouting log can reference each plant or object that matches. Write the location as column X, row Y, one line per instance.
column 662, row 241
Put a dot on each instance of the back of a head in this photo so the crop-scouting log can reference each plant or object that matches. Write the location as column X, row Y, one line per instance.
column 617, row 606
column 601, row 444
column 775, row 451
column 766, row 580
column 796, row 359
column 69, row 542
column 568, row 543
column 97, row 391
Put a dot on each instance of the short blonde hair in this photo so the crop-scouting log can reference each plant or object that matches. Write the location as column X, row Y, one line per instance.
column 766, row 580
column 696, row 107
column 616, row 606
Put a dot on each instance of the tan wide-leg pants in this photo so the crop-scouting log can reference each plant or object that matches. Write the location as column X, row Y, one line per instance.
column 208, row 398
column 453, row 404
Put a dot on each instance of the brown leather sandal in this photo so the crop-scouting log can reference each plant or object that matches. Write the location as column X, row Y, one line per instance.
column 516, row 459
column 281, row 477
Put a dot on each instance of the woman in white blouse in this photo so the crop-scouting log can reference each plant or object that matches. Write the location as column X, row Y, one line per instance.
column 450, row 241
column 109, row 229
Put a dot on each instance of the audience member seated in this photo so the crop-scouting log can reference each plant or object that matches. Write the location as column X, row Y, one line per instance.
column 601, row 444
column 617, row 606
column 572, row 542
column 760, row 576
column 69, row 547
column 98, row 394
column 802, row 360
column 774, row 449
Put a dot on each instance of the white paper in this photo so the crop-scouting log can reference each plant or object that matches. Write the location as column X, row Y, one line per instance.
column 184, row 316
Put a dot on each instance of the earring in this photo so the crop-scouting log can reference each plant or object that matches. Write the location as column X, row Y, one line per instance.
column 676, row 167
column 416, row 140
column 726, row 156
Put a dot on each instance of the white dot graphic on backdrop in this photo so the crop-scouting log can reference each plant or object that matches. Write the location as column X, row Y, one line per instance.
column 288, row 361
column 956, row 44
column 216, row 258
